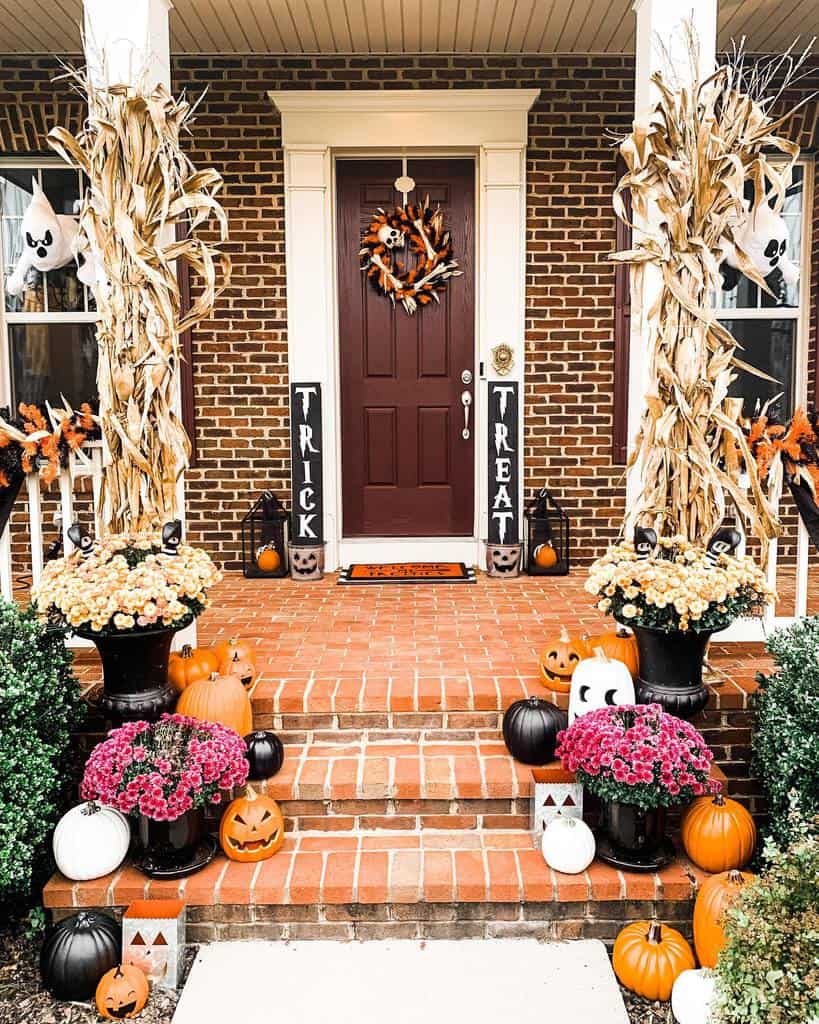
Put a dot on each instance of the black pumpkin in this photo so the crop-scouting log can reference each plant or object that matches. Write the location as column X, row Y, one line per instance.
column 77, row 952
column 530, row 729
column 265, row 754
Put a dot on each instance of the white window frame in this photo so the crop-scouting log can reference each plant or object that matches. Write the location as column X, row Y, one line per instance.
column 34, row 164
column 800, row 313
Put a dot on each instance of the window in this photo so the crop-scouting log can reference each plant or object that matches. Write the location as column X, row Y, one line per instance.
column 772, row 331
column 49, row 345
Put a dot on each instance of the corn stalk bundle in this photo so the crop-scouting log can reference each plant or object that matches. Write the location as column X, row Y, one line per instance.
column 689, row 162
column 143, row 206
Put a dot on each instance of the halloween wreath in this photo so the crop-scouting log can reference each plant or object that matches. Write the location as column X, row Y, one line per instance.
column 420, row 231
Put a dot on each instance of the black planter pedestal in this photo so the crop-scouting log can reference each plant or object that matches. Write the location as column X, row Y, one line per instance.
column 671, row 670
column 633, row 839
column 173, row 849
column 135, row 675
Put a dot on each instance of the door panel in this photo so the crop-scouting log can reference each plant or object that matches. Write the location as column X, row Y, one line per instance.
column 406, row 469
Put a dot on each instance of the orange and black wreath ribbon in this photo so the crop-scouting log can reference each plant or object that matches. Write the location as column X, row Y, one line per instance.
column 409, row 231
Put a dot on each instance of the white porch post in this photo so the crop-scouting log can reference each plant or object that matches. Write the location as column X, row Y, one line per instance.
column 660, row 35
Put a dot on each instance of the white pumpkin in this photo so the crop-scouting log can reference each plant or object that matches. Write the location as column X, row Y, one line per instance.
column 567, row 845
column 691, row 997
column 90, row 841
column 599, row 682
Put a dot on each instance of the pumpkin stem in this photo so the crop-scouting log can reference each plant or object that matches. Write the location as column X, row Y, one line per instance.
column 719, row 800
column 250, row 793
column 186, row 652
column 533, row 701
column 655, row 933
column 213, row 677
column 601, row 654
column 622, row 633
column 564, row 635
column 736, row 877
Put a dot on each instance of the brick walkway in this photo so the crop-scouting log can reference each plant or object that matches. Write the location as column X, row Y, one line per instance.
column 406, row 816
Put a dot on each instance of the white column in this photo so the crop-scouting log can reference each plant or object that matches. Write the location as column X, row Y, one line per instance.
column 661, row 37
column 127, row 42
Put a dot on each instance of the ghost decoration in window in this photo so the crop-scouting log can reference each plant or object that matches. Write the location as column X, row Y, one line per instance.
column 763, row 238
column 50, row 241
column 599, row 682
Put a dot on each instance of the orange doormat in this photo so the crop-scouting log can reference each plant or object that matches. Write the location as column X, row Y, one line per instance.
column 408, row 572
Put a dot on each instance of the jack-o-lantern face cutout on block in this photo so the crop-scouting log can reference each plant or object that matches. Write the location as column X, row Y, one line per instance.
column 306, row 563
column 243, row 668
column 503, row 560
column 252, row 827
column 599, row 682
column 122, row 993
column 559, row 660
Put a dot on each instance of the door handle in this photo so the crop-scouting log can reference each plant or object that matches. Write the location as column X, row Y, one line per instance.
column 466, row 402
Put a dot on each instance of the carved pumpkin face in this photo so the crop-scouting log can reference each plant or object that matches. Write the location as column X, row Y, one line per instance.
column 559, row 660
column 243, row 668
column 122, row 992
column 304, row 562
column 252, row 827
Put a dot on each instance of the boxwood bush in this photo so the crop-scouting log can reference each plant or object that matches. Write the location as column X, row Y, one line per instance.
column 768, row 972
column 786, row 733
column 39, row 706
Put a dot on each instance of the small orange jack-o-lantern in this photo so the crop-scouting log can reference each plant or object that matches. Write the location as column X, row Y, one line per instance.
column 225, row 650
column 244, row 668
column 252, row 827
column 268, row 559
column 122, row 992
column 559, row 660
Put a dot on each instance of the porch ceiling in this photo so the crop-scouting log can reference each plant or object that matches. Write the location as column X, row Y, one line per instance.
column 402, row 26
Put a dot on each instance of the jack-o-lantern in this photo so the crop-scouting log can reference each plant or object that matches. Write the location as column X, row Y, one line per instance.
column 243, row 668
column 503, row 560
column 252, row 827
column 268, row 559
column 544, row 556
column 559, row 660
column 190, row 664
column 225, row 650
column 305, row 563
column 122, row 992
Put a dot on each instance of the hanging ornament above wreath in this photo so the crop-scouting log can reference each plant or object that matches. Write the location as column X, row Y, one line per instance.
column 419, row 232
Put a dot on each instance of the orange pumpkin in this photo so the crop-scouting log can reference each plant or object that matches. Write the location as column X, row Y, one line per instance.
column 619, row 646
column 122, row 992
column 559, row 660
column 268, row 559
column 252, row 827
column 225, row 649
column 241, row 667
column 648, row 958
column 716, row 894
column 544, row 556
column 190, row 664
column 718, row 834
column 219, row 699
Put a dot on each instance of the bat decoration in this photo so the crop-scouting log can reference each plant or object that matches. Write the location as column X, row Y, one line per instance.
column 171, row 537
column 645, row 542
column 81, row 539
column 724, row 542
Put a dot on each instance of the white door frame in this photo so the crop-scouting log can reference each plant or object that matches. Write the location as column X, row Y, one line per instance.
column 487, row 124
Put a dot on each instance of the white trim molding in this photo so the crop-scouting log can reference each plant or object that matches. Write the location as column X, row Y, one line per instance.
column 488, row 124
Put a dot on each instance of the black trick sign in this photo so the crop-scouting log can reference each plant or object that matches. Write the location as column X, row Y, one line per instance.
column 305, row 454
column 504, row 523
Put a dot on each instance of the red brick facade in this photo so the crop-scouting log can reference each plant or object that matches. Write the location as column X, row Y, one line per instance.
column 240, row 358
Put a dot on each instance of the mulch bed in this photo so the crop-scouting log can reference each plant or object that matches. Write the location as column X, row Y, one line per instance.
column 643, row 1011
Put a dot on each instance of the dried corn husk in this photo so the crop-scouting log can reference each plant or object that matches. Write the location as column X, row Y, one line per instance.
column 690, row 160
column 141, row 186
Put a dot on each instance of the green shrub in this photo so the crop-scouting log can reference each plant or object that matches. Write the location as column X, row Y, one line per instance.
column 786, row 734
column 39, row 705
column 768, row 972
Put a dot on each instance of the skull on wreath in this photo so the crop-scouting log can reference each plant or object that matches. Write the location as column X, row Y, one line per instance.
column 391, row 237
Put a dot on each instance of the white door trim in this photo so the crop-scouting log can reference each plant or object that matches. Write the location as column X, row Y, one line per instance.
column 489, row 124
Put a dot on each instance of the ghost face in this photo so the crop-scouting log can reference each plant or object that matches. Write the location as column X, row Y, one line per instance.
column 599, row 682
column 503, row 561
column 391, row 237
column 764, row 240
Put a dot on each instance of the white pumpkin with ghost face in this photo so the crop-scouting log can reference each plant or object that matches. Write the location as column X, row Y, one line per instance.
column 599, row 682
column 50, row 241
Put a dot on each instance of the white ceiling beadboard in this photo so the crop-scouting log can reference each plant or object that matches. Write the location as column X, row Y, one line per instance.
column 403, row 26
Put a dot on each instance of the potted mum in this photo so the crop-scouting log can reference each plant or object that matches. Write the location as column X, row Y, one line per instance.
column 638, row 760
column 129, row 597
column 674, row 601
column 164, row 774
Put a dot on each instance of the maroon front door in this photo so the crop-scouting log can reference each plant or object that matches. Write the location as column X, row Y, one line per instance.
column 407, row 470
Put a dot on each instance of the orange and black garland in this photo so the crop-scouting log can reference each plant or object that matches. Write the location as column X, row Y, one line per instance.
column 418, row 230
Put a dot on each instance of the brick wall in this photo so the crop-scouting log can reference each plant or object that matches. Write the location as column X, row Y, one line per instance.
column 240, row 357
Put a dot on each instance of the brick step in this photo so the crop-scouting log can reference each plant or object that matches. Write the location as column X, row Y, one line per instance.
column 330, row 885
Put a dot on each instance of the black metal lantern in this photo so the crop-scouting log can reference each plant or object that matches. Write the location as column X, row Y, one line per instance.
column 264, row 544
column 547, row 537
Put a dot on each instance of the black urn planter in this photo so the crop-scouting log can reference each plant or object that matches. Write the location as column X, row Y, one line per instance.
column 135, row 674
column 632, row 838
column 671, row 670
column 77, row 952
column 530, row 729
column 265, row 754
column 173, row 849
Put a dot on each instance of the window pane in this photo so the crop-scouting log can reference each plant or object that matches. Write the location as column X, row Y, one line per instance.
column 15, row 194
column 48, row 360
column 770, row 346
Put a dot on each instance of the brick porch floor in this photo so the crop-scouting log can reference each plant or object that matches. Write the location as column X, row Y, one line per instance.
column 405, row 814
